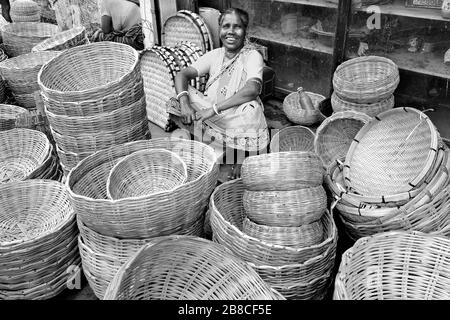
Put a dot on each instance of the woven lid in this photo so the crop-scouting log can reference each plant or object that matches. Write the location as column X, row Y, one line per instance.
column 180, row 28
column 392, row 153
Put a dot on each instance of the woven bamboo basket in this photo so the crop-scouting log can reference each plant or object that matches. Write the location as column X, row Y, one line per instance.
column 181, row 27
column 282, row 171
column 303, row 236
column 63, row 40
column 113, row 121
column 130, row 93
column 20, row 37
column 70, row 159
column 3, row 22
column 9, row 116
column 201, row 25
column 25, row 11
column 21, row 152
column 335, row 135
column 285, row 208
column 391, row 154
column 20, row 73
column 195, row 268
column 146, row 172
column 371, row 109
column 211, row 17
column 3, row 57
column 295, row 113
column 29, row 101
column 191, row 53
column 395, row 266
column 366, row 79
column 293, row 138
column 316, row 289
column 227, row 215
column 90, row 72
column 150, row 216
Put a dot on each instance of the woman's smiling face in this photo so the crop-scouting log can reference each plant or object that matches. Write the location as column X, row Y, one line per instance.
column 232, row 32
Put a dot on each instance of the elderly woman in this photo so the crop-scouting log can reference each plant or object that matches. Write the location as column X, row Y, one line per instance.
column 230, row 109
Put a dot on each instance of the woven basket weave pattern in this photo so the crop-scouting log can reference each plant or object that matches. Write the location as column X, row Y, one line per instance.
column 293, row 138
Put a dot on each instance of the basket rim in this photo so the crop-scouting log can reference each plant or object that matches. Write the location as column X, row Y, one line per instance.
column 146, row 152
column 432, row 152
column 69, row 51
column 8, row 64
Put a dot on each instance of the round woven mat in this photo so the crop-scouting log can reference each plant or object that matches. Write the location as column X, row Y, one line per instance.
column 180, row 28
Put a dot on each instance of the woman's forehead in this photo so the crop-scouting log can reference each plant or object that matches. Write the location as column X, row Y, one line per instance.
column 232, row 18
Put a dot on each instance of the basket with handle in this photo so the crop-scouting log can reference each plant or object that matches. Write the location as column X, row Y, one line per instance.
column 196, row 269
column 9, row 116
column 366, row 79
column 371, row 109
column 297, row 114
column 335, row 135
column 151, row 215
column 285, row 208
column 282, row 171
column 20, row 37
column 63, row 40
column 293, row 138
column 395, row 265
column 146, row 172
column 21, row 152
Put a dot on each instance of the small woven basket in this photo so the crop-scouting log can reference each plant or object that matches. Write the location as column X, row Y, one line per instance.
column 20, row 37
column 282, row 171
column 395, row 266
column 366, row 79
column 371, row 109
column 336, row 133
column 195, row 268
column 144, row 173
column 293, row 138
column 285, row 208
column 9, row 116
column 295, row 113
column 63, row 40
column 25, row 11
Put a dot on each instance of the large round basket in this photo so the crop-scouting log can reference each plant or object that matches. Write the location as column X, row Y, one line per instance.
column 10, row 116
column 63, row 40
column 195, row 268
column 391, row 154
column 146, row 172
column 22, row 151
column 90, row 72
column 395, row 266
column 366, row 79
column 282, row 171
column 285, row 208
column 20, row 37
column 293, row 138
column 336, row 133
column 371, row 109
column 151, row 215
column 295, row 112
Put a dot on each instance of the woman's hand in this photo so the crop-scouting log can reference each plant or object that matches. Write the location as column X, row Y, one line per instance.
column 205, row 114
column 187, row 114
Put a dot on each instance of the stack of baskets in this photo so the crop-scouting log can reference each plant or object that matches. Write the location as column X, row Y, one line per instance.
column 295, row 112
column 38, row 240
column 20, row 74
column 63, row 40
column 275, row 218
column 194, row 268
column 112, row 230
column 395, row 266
column 3, row 57
column 27, row 154
column 395, row 176
column 20, row 37
column 94, row 98
column 25, row 11
column 365, row 84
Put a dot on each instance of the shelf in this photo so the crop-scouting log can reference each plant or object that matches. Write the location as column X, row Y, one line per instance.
column 275, row 35
column 398, row 8
column 315, row 3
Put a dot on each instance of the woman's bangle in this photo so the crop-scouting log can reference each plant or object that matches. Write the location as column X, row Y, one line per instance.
column 182, row 93
column 216, row 111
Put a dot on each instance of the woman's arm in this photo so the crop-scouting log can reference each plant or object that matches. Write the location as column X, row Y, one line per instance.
column 181, row 85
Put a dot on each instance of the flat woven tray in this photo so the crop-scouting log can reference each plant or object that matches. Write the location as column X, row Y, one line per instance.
column 391, row 154
column 201, row 24
column 181, row 27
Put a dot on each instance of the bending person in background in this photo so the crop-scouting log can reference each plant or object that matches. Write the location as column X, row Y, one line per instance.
column 120, row 22
column 5, row 10
column 230, row 109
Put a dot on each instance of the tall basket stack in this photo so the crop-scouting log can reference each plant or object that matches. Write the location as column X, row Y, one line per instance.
column 365, row 84
column 93, row 97
column 275, row 218
column 171, row 181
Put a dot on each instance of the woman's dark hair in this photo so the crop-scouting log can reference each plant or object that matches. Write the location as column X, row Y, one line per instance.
column 243, row 15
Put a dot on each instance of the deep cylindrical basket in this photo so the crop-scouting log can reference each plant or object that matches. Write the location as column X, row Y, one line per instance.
column 293, row 138
column 294, row 111
column 282, row 171
column 371, row 109
column 366, row 79
column 146, row 172
column 90, row 72
column 395, row 266
column 20, row 37
column 63, row 40
column 152, row 215
column 195, row 268
column 335, row 135
column 285, row 208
